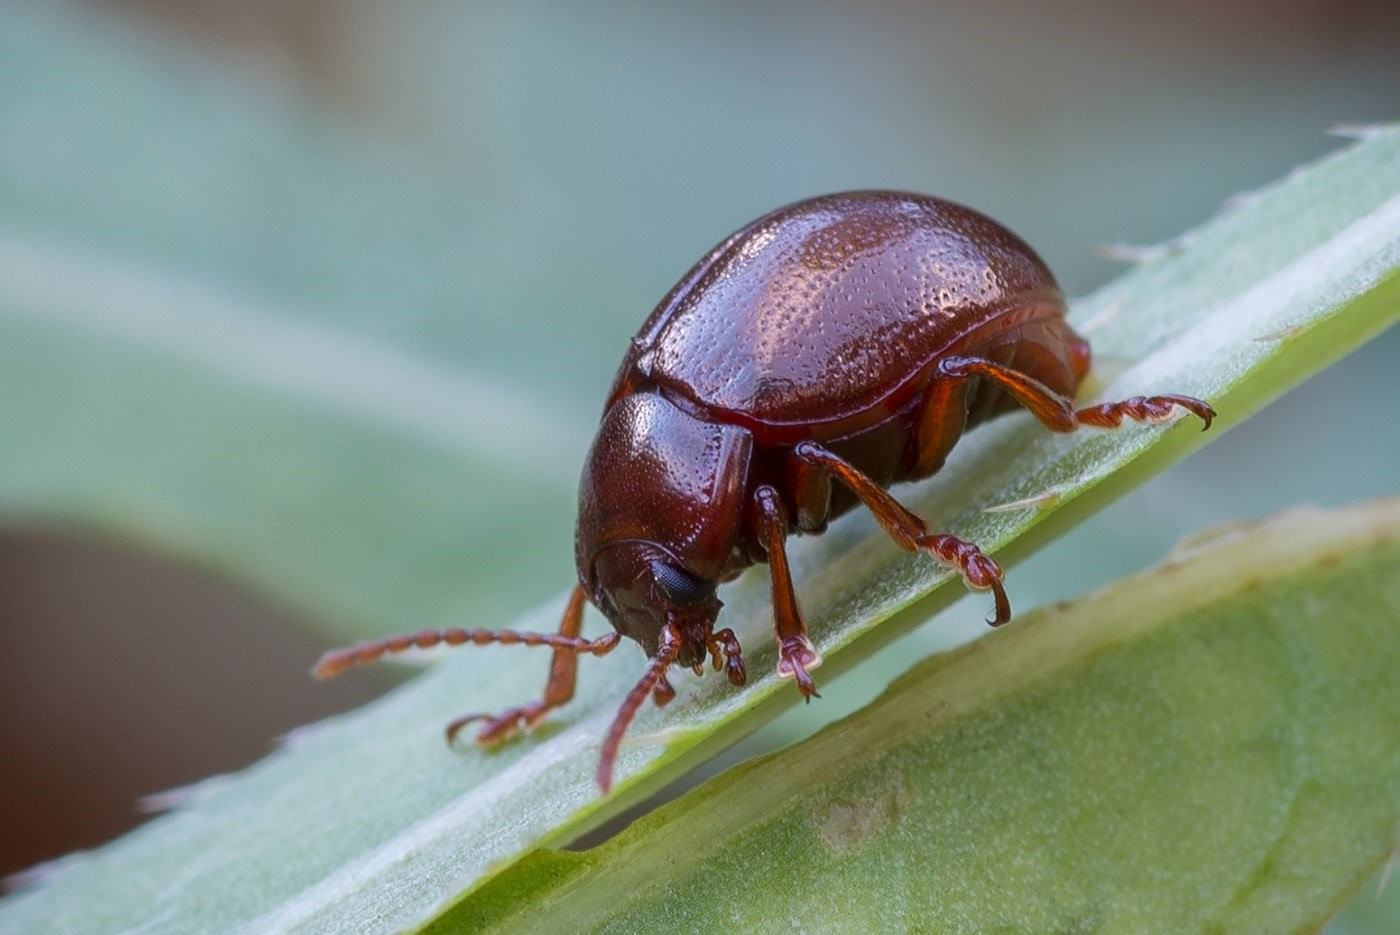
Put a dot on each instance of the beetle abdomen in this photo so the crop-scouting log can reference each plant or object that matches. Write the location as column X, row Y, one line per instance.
column 822, row 310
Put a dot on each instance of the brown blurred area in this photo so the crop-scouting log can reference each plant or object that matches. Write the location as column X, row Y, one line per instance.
column 122, row 675
column 314, row 35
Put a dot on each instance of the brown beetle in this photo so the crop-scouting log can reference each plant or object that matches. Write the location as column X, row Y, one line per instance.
column 818, row 355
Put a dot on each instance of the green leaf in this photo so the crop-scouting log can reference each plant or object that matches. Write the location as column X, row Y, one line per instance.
column 335, row 493
column 1209, row 745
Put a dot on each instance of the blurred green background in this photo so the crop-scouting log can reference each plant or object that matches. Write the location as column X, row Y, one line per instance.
column 307, row 310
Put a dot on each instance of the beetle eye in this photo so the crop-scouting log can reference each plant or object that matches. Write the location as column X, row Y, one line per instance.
column 681, row 587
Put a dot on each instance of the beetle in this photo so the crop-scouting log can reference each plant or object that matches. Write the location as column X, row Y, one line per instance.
column 815, row 357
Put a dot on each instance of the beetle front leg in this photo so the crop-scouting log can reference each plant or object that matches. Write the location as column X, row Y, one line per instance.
column 978, row 570
column 796, row 654
column 558, row 689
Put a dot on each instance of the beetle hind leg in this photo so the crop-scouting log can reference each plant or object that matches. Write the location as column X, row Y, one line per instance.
column 978, row 570
column 1057, row 413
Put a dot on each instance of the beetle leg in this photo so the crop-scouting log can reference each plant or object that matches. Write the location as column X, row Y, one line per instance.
column 810, row 488
column 796, row 654
column 942, row 419
column 978, row 570
column 726, row 643
column 1057, row 412
column 558, row 688
column 563, row 668
column 664, row 692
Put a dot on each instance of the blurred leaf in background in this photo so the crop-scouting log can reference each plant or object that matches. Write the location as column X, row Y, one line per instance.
column 227, row 338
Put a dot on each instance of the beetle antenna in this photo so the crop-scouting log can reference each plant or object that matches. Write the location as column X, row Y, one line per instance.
column 337, row 661
column 656, row 671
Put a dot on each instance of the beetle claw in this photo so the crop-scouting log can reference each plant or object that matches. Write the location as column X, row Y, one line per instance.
column 1003, row 605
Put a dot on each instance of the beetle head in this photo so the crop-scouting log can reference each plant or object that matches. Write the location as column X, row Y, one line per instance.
column 660, row 511
column 641, row 589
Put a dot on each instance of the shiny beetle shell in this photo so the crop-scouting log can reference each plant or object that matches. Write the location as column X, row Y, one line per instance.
column 834, row 309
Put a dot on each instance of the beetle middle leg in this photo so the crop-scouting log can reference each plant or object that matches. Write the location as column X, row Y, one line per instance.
column 978, row 570
column 796, row 654
column 1057, row 412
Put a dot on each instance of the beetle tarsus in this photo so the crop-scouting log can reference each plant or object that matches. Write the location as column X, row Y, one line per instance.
column 795, row 656
column 1144, row 409
column 979, row 570
column 500, row 727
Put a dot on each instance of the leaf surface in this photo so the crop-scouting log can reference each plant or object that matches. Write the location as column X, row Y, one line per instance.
column 1209, row 745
